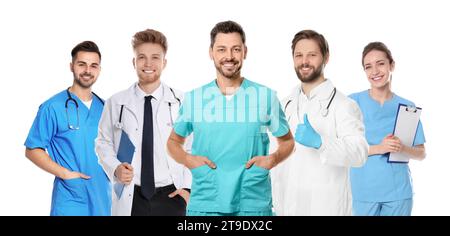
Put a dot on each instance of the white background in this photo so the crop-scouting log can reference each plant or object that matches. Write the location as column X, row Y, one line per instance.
column 37, row 37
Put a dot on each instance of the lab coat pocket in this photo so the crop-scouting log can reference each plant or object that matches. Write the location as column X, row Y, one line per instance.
column 74, row 190
column 203, row 183
column 256, row 188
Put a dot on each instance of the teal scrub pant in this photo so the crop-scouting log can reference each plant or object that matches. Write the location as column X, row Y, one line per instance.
column 239, row 213
column 394, row 208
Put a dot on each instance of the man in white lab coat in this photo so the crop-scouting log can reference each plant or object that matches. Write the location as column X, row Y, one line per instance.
column 143, row 115
column 329, row 135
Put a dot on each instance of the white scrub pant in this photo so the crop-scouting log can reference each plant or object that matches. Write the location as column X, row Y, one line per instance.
column 394, row 208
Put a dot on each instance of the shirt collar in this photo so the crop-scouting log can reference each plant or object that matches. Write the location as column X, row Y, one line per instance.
column 157, row 94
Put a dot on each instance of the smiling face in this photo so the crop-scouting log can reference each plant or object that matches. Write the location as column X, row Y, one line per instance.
column 85, row 68
column 228, row 54
column 308, row 60
column 378, row 68
column 149, row 62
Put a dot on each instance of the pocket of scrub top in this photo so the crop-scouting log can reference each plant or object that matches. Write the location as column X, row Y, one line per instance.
column 73, row 189
column 203, row 184
column 256, row 187
column 257, row 140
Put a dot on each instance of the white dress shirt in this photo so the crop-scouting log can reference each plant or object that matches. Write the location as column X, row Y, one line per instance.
column 160, row 165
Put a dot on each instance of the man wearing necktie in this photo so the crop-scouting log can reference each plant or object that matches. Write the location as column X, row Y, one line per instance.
column 154, row 183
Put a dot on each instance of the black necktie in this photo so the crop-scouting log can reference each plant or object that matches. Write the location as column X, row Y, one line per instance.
column 147, row 176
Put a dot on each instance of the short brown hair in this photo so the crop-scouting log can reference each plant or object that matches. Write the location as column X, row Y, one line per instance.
column 226, row 27
column 85, row 46
column 378, row 46
column 149, row 36
column 311, row 34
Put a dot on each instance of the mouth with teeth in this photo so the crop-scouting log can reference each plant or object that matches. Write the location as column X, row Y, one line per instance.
column 148, row 71
column 86, row 76
column 229, row 64
column 304, row 69
column 377, row 78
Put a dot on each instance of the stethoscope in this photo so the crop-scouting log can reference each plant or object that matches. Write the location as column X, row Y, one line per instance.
column 119, row 124
column 324, row 112
column 71, row 99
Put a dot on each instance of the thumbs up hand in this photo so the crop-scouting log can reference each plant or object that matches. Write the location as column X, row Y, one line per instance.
column 306, row 135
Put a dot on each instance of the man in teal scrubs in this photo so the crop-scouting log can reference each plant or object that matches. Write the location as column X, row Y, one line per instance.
column 230, row 117
column 66, row 126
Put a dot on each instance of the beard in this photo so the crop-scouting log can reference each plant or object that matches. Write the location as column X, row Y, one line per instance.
column 148, row 79
column 234, row 74
column 312, row 77
column 82, row 83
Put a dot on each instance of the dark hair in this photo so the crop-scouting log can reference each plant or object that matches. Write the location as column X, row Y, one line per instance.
column 378, row 46
column 313, row 35
column 226, row 27
column 85, row 46
column 149, row 36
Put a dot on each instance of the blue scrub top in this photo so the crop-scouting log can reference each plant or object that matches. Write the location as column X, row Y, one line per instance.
column 379, row 180
column 74, row 150
column 229, row 133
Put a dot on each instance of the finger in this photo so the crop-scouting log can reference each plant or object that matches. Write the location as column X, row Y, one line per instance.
column 128, row 179
column 128, row 166
column 128, row 175
column 250, row 163
column 305, row 120
column 84, row 176
column 210, row 163
column 173, row 194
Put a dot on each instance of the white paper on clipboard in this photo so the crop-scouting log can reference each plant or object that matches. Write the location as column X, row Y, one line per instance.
column 405, row 129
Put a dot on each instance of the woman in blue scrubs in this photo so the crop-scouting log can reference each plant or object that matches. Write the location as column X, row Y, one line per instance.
column 66, row 126
column 381, row 188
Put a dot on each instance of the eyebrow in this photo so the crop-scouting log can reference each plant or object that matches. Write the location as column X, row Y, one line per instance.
column 83, row 62
column 234, row 46
column 154, row 54
column 382, row 60
column 316, row 52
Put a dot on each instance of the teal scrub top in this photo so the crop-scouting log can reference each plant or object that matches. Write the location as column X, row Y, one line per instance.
column 379, row 180
column 229, row 133
column 74, row 150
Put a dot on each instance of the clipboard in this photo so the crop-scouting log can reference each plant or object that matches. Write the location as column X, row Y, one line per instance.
column 124, row 154
column 406, row 124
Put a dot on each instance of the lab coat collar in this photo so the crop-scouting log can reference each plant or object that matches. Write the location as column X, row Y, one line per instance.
column 167, row 95
column 131, row 93
column 322, row 92
column 162, row 93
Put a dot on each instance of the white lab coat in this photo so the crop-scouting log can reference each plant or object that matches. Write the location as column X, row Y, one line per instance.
column 316, row 182
column 109, row 133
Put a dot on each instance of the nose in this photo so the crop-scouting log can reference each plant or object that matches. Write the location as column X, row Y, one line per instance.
column 375, row 70
column 305, row 60
column 229, row 55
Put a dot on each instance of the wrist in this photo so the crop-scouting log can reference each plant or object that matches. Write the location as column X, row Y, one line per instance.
column 187, row 190
column 273, row 159
column 187, row 157
column 63, row 174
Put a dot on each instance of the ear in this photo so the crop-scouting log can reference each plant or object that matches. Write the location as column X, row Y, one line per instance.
column 245, row 51
column 392, row 66
column 325, row 60
column 211, row 53
column 134, row 63
column 71, row 66
column 164, row 63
